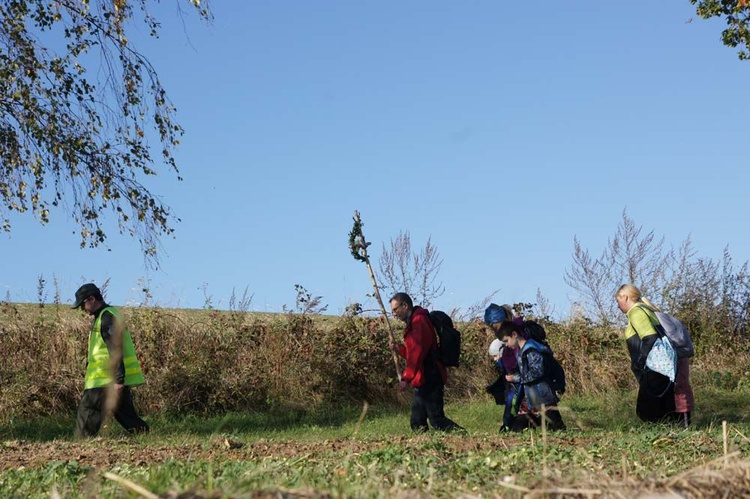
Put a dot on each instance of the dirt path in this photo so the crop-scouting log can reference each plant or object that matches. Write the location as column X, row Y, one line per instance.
column 106, row 452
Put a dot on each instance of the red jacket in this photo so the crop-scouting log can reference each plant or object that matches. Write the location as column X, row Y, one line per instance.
column 419, row 339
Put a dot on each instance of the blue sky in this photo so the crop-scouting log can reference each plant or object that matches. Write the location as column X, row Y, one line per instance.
column 500, row 129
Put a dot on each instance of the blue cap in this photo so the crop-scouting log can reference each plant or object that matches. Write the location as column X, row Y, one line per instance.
column 494, row 313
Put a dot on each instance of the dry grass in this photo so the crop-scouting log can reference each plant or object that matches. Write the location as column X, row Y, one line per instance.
column 723, row 479
column 727, row 477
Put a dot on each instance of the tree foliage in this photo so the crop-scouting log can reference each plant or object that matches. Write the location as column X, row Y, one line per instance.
column 736, row 14
column 78, row 104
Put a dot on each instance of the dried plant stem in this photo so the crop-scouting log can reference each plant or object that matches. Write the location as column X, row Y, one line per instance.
column 361, row 419
column 562, row 490
column 514, row 487
column 724, row 436
column 362, row 250
column 545, row 470
column 131, row 485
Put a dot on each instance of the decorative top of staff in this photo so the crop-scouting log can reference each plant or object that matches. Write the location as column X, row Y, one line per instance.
column 357, row 242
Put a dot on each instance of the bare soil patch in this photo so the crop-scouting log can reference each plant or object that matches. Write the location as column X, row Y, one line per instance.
column 106, row 452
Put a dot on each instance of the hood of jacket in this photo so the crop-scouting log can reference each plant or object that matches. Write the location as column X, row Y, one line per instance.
column 535, row 345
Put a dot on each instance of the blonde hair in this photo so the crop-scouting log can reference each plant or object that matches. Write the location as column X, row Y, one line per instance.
column 509, row 314
column 635, row 296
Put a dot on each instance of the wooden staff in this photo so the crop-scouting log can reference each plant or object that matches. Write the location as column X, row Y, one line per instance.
column 359, row 246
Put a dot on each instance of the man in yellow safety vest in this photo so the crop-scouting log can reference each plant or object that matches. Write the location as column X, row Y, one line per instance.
column 111, row 370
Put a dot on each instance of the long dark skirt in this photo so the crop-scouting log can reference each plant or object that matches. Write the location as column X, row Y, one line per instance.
column 655, row 397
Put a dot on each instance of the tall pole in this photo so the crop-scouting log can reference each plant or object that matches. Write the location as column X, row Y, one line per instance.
column 358, row 245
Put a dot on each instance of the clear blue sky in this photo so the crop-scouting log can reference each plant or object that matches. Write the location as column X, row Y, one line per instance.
column 501, row 129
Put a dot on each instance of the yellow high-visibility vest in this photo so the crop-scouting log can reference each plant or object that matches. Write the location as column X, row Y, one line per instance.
column 98, row 370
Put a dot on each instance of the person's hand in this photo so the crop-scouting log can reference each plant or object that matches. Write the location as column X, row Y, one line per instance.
column 403, row 385
column 509, row 377
column 119, row 387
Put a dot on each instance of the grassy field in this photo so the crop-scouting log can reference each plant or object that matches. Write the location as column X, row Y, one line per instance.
column 288, row 388
column 371, row 453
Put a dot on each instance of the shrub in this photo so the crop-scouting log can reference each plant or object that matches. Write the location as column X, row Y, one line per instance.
column 208, row 361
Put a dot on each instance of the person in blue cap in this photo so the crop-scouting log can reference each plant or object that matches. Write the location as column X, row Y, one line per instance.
column 497, row 316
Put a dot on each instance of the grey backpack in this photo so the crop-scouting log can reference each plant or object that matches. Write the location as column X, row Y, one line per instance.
column 677, row 333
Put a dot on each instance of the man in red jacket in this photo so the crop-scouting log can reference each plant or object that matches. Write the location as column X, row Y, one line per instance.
column 423, row 369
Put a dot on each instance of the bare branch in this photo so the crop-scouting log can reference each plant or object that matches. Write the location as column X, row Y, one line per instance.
column 416, row 274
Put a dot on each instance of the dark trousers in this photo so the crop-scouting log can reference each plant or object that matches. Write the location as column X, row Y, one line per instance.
column 427, row 404
column 93, row 407
column 513, row 399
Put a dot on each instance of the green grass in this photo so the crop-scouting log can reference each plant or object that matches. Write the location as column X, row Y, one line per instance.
column 332, row 452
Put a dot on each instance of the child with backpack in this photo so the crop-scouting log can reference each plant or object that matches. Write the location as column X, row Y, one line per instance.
column 507, row 394
column 538, row 372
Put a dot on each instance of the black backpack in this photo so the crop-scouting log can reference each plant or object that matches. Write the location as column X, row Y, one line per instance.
column 449, row 338
column 554, row 372
column 552, row 368
column 535, row 331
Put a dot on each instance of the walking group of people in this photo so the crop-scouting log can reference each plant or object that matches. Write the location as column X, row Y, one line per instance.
column 530, row 379
column 528, row 382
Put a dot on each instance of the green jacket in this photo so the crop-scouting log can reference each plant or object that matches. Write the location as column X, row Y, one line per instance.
column 640, row 336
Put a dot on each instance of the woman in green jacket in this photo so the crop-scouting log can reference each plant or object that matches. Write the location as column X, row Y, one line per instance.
column 655, row 391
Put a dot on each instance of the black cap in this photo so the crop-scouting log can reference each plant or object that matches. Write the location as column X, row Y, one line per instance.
column 84, row 292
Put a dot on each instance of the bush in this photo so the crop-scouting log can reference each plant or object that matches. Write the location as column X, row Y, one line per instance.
column 208, row 361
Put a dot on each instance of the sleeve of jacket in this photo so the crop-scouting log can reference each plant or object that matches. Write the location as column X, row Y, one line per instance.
column 402, row 350
column 639, row 363
column 535, row 367
column 113, row 339
column 417, row 347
